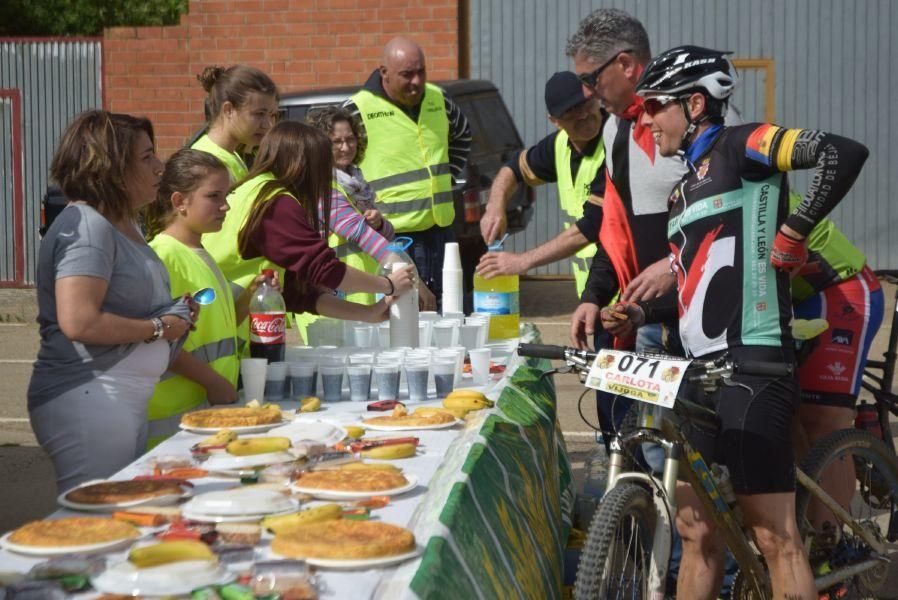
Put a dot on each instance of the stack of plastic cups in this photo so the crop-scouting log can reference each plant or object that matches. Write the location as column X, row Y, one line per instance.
column 253, row 372
column 303, row 377
column 276, row 382
column 453, row 289
column 480, row 365
column 484, row 323
column 443, row 370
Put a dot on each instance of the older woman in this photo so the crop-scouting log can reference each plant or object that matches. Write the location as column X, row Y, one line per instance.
column 108, row 324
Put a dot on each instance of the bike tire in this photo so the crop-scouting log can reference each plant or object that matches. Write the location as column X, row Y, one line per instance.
column 626, row 514
column 876, row 489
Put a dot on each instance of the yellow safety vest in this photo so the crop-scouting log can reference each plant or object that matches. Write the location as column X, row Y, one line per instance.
column 572, row 194
column 222, row 245
column 213, row 342
column 232, row 161
column 407, row 163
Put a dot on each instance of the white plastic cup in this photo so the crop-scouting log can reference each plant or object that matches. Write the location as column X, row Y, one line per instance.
column 332, row 381
column 362, row 335
column 451, row 256
column 298, row 353
column 443, row 371
column 416, row 374
column 276, row 382
column 386, row 375
column 444, row 334
column 468, row 336
column 425, row 329
column 359, row 382
column 480, row 365
column 428, row 315
column 303, row 376
column 383, row 334
column 252, row 372
column 452, row 314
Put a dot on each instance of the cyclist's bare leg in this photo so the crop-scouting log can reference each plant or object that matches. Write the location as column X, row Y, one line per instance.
column 838, row 479
column 702, row 565
column 771, row 518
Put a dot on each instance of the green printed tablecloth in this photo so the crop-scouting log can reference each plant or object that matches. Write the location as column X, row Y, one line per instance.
column 497, row 516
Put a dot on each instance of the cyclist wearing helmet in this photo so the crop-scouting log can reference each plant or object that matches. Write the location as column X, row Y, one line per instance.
column 729, row 223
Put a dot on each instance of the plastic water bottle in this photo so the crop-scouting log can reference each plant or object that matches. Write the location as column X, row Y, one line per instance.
column 500, row 297
column 867, row 419
column 403, row 312
column 267, row 322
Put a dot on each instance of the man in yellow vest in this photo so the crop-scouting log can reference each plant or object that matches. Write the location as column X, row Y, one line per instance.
column 418, row 140
column 573, row 157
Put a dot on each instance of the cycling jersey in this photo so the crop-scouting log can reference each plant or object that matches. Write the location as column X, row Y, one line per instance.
column 724, row 216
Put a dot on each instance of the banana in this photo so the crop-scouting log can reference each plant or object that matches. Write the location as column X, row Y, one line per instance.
column 391, row 452
column 309, row 404
column 259, row 445
column 281, row 524
column 458, row 413
column 253, row 404
column 169, row 552
column 222, row 438
column 360, row 466
column 468, row 399
column 354, row 431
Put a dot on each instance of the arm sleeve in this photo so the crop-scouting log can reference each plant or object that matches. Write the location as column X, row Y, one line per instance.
column 351, row 226
column 286, row 238
column 591, row 221
column 601, row 284
column 459, row 137
column 837, row 161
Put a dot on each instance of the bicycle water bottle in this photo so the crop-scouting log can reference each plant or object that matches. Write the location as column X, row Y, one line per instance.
column 867, row 419
column 499, row 297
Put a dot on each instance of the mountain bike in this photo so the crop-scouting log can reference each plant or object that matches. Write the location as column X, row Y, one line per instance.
column 628, row 543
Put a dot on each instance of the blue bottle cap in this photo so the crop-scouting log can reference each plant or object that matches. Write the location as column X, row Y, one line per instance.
column 400, row 244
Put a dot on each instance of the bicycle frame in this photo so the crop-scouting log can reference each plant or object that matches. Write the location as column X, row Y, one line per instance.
column 882, row 390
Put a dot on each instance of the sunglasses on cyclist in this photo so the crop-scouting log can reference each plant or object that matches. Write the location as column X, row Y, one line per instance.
column 589, row 79
column 656, row 104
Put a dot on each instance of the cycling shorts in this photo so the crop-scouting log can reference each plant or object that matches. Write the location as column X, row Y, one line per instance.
column 854, row 308
column 753, row 437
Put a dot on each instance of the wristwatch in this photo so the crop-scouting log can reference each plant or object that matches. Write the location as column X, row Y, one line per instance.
column 158, row 330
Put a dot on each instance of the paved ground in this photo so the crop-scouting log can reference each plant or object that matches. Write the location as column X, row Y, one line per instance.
column 28, row 489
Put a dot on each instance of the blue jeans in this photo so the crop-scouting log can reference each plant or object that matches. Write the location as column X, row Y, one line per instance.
column 427, row 251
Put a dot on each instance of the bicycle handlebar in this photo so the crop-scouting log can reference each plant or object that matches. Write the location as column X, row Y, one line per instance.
column 542, row 351
column 764, row 369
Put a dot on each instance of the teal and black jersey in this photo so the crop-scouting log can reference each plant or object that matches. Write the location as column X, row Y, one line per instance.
column 724, row 215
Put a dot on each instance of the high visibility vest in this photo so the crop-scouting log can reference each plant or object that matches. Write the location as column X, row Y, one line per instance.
column 572, row 193
column 232, row 161
column 222, row 245
column 213, row 342
column 407, row 163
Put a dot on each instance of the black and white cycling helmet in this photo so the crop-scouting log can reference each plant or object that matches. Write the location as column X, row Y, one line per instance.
column 686, row 69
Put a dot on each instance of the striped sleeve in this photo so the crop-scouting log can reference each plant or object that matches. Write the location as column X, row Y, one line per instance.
column 350, row 225
column 459, row 137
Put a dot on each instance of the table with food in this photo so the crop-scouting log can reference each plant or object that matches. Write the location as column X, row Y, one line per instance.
column 462, row 492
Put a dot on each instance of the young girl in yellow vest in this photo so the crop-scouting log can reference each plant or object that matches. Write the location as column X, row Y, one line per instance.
column 241, row 107
column 191, row 202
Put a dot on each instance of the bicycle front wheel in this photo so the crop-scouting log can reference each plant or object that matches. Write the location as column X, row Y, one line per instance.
column 872, row 504
column 618, row 553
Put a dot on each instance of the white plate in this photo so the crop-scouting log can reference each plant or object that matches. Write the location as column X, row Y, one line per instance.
column 60, row 550
column 319, row 431
column 172, row 579
column 155, row 500
column 362, row 563
column 345, row 495
column 410, row 427
column 205, row 518
column 240, row 502
column 222, row 461
column 237, row 430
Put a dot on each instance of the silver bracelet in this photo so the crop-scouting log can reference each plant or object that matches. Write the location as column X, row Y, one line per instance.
column 158, row 330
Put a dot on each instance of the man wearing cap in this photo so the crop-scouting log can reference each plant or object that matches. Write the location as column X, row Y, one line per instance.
column 572, row 157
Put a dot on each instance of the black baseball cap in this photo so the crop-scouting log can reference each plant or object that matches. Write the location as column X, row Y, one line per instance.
column 563, row 92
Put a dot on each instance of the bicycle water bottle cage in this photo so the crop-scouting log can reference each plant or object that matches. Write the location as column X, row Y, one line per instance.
column 400, row 244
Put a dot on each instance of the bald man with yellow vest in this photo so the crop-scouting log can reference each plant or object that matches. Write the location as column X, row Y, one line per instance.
column 418, row 140
column 573, row 157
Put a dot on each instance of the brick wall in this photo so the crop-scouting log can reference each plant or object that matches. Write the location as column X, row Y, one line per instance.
column 302, row 44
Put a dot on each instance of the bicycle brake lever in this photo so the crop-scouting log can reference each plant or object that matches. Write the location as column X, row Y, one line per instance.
column 561, row 370
column 728, row 381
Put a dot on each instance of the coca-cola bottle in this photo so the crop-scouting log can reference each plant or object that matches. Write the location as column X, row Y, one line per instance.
column 267, row 321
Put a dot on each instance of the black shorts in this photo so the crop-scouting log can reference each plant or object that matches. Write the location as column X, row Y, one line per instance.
column 753, row 439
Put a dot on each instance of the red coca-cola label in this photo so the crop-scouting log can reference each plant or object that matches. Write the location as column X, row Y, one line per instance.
column 267, row 328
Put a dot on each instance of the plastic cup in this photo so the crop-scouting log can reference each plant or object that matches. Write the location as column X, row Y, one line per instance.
column 387, row 377
column 443, row 376
column 276, row 382
column 363, row 335
column 445, row 334
column 359, row 382
column 484, row 324
column 361, row 358
column 303, row 376
column 425, row 328
column 416, row 375
column 480, row 365
column 332, row 381
column 458, row 316
column 428, row 316
column 299, row 353
column 252, row 372
column 451, row 256
column 383, row 335
column 468, row 336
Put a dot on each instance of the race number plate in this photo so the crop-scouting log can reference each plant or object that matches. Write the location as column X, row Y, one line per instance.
column 651, row 379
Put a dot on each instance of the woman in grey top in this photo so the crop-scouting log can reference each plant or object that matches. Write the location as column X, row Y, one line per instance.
column 108, row 324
